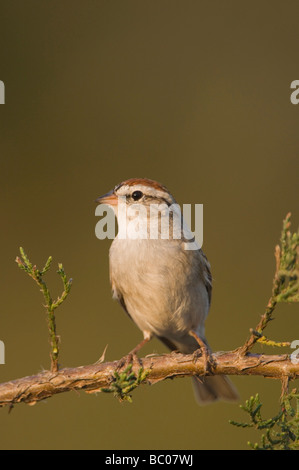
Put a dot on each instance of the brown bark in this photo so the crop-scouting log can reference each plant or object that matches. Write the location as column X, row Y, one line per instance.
column 92, row 378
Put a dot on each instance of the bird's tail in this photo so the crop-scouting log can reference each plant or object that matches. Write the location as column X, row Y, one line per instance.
column 209, row 389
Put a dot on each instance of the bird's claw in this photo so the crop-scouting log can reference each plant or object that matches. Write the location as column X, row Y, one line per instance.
column 127, row 360
column 206, row 354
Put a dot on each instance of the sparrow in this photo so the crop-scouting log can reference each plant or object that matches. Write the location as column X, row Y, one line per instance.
column 162, row 286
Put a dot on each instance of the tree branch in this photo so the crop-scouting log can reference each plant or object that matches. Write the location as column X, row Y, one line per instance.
column 93, row 378
column 108, row 377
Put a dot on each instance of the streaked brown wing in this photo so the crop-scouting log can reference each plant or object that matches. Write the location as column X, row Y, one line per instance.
column 207, row 275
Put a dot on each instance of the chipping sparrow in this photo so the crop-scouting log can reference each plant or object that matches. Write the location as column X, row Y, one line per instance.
column 163, row 287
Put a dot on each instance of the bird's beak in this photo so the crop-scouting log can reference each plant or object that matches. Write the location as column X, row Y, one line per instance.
column 109, row 198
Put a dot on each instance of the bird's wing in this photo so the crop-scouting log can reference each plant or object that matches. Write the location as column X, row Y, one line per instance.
column 119, row 297
column 206, row 273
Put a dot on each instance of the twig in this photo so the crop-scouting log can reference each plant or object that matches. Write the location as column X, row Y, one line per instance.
column 37, row 275
column 285, row 283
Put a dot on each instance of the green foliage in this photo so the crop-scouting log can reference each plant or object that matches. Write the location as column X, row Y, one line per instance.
column 125, row 382
column 285, row 285
column 286, row 278
column 269, row 342
column 288, row 266
column 281, row 432
column 37, row 275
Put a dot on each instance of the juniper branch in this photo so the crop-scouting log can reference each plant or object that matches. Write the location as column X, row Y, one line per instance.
column 37, row 275
column 281, row 431
column 285, row 283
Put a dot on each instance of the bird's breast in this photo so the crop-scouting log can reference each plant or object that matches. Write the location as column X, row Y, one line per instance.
column 158, row 281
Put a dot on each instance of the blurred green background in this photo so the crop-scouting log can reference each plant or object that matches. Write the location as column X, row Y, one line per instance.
column 191, row 93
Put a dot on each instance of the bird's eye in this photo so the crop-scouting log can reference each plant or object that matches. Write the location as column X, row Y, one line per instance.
column 136, row 195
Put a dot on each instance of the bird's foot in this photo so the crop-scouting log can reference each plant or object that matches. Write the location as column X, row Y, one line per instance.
column 127, row 360
column 205, row 352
